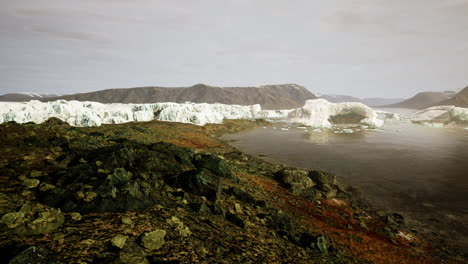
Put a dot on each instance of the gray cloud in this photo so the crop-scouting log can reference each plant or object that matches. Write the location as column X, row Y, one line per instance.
column 355, row 47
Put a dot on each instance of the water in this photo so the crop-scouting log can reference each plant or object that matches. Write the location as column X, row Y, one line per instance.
column 418, row 171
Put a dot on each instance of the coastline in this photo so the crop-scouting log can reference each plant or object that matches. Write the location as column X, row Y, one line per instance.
column 253, row 207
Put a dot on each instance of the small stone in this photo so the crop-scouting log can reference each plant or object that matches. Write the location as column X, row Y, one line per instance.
column 88, row 242
column 238, row 208
column 35, row 174
column 60, row 237
column 76, row 216
column 201, row 251
column 46, row 187
column 363, row 225
column 119, row 241
column 89, row 196
column 31, row 183
column 154, row 240
column 127, row 221
column 13, row 220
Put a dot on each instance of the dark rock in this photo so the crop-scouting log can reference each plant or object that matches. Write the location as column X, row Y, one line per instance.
column 201, row 209
column 126, row 176
column 294, row 179
column 321, row 177
column 236, row 220
column 308, row 240
column 35, row 255
column 200, row 182
column 54, row 121
column 214, row 164
column 132, row 254
column 281, row 221
column 312, row 194
column 242, row 195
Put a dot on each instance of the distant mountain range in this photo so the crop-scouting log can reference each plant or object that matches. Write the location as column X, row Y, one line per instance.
column 284, row 96
column 334, row 98
column 424, row 100
column 460, row 99
column 22, row 97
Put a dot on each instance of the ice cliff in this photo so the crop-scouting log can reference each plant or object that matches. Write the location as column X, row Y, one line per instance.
column 94, row 114
column 439, row 116
column 321, row 113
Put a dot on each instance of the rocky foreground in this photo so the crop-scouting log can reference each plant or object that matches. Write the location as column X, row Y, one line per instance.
column 161, row 192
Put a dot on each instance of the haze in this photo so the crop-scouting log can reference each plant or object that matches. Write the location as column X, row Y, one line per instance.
column 365, row 48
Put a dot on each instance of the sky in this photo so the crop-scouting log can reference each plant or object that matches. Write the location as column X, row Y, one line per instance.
column 364, row 48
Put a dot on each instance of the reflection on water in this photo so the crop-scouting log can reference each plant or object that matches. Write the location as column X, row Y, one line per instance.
column 418, row 171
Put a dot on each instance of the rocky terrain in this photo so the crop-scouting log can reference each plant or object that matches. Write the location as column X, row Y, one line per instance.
column 459, row 100
column 160, row 192
column 284, row 96
column 423, row 100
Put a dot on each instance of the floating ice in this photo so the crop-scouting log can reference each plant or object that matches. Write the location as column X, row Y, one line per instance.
column 94, row 114
column 440, row 116
column 274, row 114
column 321, row 113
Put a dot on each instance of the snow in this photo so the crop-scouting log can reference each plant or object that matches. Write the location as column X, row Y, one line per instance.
column 440, row 116
column 319, row 112
column 94, row 114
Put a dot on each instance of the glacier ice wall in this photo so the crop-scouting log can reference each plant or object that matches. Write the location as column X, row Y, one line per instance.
column 320, row 113
column 78, row 113
column 439, row 116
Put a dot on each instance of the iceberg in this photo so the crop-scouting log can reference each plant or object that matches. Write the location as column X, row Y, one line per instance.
column 83, row 114
column 321, row 113
column 274, row 114
column 440, row 116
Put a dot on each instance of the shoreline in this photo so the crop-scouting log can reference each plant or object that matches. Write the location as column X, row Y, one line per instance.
column 263, row 208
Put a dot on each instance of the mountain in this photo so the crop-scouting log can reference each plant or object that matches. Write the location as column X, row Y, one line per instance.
column 423, row 100
column 285, row 96
column 335, row 98
column 460, row 99
column 24, row 97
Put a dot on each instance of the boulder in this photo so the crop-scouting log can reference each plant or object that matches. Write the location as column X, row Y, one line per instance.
column 294, row 179
column 36, row 255
column 153, row 240
column 200, row 182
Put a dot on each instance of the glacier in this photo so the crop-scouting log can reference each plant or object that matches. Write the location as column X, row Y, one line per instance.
column 315, row 113
column 440, row 116
column 82, row 114
column 323, row 114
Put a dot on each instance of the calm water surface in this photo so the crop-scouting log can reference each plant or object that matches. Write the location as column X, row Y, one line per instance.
column 418, row 171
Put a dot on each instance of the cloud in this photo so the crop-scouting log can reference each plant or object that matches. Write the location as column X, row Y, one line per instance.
column 84, row 36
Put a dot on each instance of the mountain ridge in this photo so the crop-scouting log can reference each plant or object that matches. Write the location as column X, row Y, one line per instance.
column 280, row 96
column 460, row 99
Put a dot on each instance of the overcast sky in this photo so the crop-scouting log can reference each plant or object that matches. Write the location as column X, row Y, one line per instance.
column 385, row 48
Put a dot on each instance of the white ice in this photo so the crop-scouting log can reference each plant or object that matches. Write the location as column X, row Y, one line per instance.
column 318, row 113
column 94, row 114
column 440, row 116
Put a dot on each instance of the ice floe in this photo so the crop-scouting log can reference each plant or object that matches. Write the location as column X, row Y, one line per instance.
column 440, row 116
column 321, row 113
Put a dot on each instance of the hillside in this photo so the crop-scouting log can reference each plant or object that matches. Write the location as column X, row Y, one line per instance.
column 334, row 98
column 460, row 99
column 423, row 100
column 24, row 97
column 285, row 96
